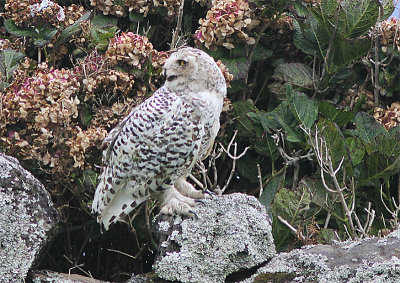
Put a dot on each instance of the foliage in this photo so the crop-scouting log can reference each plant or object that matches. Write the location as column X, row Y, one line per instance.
column 311, row 102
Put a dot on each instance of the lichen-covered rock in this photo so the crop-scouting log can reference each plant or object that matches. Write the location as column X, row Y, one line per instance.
column 232, row 233
column 369, row 260
column 46, row 276
column 26, row 217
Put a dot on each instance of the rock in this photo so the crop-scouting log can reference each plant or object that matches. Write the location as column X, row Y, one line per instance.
column 232, row 234
column 46, row 276
column 26, row 217
column 368, row 260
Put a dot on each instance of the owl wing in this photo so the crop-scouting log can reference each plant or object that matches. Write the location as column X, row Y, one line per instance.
column 151, row 147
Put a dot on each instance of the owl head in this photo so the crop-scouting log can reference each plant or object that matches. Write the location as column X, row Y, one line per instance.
column 193, row 70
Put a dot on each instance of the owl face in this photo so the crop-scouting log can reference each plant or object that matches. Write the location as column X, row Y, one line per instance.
column 193, row 69
column 180, row 67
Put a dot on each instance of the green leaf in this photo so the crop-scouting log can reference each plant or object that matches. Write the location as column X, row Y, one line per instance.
column 267, row 147
column 297, row 74
column 389, row 146
column 356, row 149
column 340, row 117
column 261, row 53
column 9, row 60
column 40, row 42
column 328, row 9
column 12, row 28
column 349, row 50
column 247, row 166
column 49, row 33
column 246, row 126
column 269, row 191
column 334, row 140
column 360, row 16
column 368, row 128
column 378, row 166
column 304, row 109
column 238, row 67
column 101, row 21
column 3, row 85
column 292, row 205
column 72, row 29
column 320, row 196
column 283, row 118
column 306, row 38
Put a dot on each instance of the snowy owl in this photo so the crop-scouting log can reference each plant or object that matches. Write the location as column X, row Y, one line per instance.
column 152, row 151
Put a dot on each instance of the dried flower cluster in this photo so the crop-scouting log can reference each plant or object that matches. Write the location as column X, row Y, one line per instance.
column 353, row 95
column 283, row 25
column 72, row 14
column 39, row 111
column 99, row 78
column 121, row 8
column 134, row 50
column 228, row 76
column 41, row 117
column 314, row 2
column 42, row 111
column 389, row 32
column 129, row 48
column 225, row 21
column 390, row 117
column 32, row 12
column 4, row 44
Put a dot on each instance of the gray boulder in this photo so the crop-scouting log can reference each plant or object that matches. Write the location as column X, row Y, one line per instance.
column 26, row 217
column 368, row 260
column 46, row 276
column 232, row 234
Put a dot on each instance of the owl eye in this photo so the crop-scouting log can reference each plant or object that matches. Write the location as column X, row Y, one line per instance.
column 182, row 62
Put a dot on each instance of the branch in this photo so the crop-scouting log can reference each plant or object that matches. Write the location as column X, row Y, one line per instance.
column 175, row 35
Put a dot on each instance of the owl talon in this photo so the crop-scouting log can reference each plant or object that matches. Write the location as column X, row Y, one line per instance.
column 209, row 194
column 199, row 201
column 195, row 216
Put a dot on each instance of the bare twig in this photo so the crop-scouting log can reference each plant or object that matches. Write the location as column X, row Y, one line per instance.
column 259, row 178
column 175, row 35
column 325, row 163
column 78, row 266
column 394, row 213
column 119, row 252
column 294, row 230
column 234, row 157
column 377, row 63
column 198, row 183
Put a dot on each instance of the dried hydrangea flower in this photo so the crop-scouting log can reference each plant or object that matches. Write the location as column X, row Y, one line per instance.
column 228, row 76
column 46, row 102
column 226, row 21
column 388, row 33
column 390, row 117
column 158, row 58
column 121, row 8
column 132, row 49
column 110, row 7
column 81, row 141
column 353, row 95
column 73, row 13
column 33, row 12
column 18, row 11
column 171, row 5
column 46, row 9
